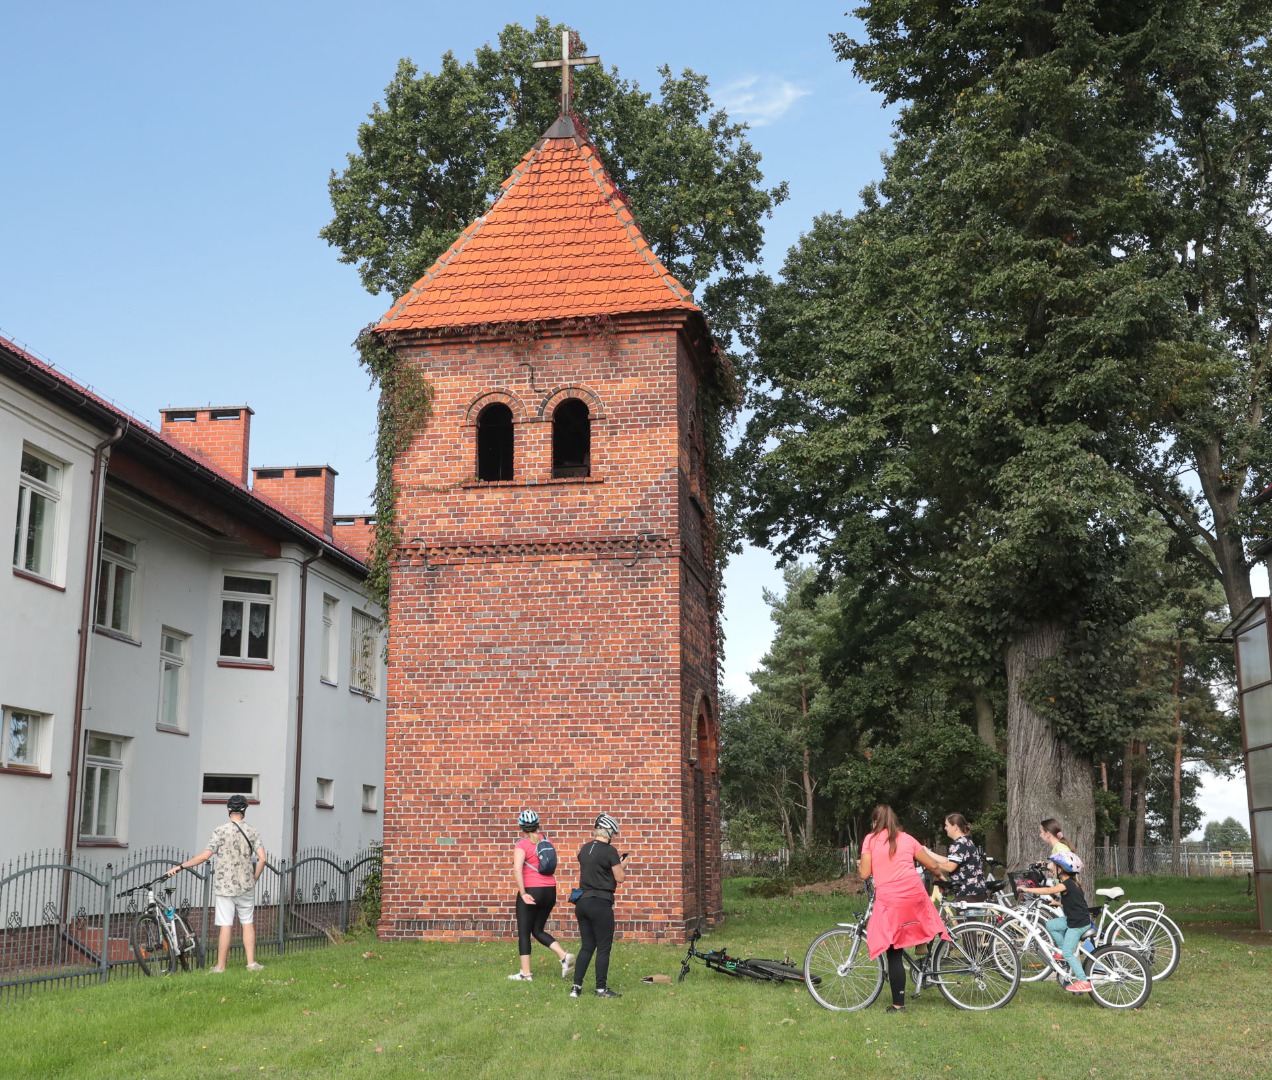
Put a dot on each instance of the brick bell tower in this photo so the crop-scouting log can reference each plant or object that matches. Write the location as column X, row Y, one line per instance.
column 551, row 642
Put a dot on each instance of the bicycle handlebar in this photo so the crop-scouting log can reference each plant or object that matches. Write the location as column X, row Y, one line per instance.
column 143, row 885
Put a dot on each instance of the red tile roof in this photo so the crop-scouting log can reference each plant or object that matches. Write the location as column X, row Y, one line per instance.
column 205, row 469
column 559, row 242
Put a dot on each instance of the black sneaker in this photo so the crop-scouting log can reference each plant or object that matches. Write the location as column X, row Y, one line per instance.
column 608, row 993
column 575, row 990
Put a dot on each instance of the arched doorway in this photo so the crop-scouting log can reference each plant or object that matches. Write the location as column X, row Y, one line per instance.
column 706, row 853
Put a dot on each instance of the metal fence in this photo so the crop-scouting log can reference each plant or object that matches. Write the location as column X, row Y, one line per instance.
column 1116, row 861
column 64, row 925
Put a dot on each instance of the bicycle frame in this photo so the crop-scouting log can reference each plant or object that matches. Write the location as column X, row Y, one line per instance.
column 1128, row 909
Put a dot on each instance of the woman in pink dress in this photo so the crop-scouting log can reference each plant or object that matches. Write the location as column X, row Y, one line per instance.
column 903, row 914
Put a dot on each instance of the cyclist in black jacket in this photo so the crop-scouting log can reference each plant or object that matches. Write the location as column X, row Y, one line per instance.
column 600, row 873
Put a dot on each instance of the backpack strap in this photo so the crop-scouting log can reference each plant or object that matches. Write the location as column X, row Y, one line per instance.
column 250, row 850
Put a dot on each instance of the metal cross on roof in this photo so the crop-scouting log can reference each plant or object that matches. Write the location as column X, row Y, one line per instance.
column 565, row 64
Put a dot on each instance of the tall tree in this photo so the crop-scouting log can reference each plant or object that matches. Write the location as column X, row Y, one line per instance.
column 1210, row 69
column 788, row 681
column 960, row 373
column 432, row 156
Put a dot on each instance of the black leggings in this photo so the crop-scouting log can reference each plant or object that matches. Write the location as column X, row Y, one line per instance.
column 532, row 918
column 896, row 975
column 596, row 930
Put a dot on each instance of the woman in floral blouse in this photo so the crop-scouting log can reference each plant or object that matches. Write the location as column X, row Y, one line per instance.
column 963, row 862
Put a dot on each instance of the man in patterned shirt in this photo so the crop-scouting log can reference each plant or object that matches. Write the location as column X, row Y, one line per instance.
column 240, row 859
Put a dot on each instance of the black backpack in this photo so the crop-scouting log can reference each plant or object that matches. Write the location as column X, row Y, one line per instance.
column 547, row 856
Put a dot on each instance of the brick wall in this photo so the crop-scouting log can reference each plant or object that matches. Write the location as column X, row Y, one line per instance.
column 550, row 640
column 221, row 435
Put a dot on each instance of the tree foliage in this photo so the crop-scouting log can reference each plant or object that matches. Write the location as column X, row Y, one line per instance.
column 971, row 379
column 433, row 154
column 1227, row 835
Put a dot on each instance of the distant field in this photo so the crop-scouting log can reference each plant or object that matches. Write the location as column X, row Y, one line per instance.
column 434, row 1009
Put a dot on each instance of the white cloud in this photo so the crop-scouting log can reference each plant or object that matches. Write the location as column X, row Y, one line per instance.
column 759, row 99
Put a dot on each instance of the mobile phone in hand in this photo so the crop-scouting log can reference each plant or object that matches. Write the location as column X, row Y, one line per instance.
column 623, row 857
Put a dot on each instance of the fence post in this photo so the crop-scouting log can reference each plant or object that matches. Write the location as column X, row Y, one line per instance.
column 344, row 906
column 1115, row 849
column 107, row 890
column 282, row 907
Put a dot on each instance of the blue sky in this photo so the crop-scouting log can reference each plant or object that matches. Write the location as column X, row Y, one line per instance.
column 164, row 180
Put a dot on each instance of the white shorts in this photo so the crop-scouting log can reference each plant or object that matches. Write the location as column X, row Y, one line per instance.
column 227, row 906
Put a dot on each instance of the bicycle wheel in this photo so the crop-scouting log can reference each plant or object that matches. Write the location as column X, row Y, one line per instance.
column 969, row 969
column 1035, row 963
column 1119, row 978
column 1153, row 939
column 189, row 955
column 150, row 947
column 838, row 970
column 777, row 970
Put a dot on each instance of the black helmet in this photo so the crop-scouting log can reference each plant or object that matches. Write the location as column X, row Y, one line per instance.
column 236, row 804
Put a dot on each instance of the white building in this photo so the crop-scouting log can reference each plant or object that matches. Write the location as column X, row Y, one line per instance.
column 170, row 636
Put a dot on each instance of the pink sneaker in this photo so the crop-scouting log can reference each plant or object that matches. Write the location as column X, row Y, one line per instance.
column 1079, row 987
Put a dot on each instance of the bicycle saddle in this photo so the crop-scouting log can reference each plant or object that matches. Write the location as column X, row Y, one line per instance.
column 995, row 886
column 1111, row 894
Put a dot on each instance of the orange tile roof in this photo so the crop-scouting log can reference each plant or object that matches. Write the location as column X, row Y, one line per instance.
column 559, row 242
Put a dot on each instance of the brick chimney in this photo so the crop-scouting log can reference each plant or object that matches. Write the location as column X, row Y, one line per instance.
column 356, row 532
column 307, row 491
column 221, row 435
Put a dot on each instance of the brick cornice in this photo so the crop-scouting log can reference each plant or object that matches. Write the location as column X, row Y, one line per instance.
column 427, row 554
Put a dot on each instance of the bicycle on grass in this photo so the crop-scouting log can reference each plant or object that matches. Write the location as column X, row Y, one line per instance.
column 160, row 937
column 977, row 969
column 720, row 960
column 1120, row 977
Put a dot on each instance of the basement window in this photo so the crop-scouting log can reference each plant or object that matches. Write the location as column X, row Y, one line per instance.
column 494, row 443
column 571, row 440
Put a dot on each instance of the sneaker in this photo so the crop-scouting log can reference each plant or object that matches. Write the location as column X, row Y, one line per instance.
column 606, row 992
column 216, row 971
column 1079, row 986
column 567, row 965
column 516, row 976
column 576, row 990
column 1057, row 956
column 254, row 966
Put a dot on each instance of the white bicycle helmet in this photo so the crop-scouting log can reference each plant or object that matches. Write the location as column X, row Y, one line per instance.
column 604, row 821
column 528, row 819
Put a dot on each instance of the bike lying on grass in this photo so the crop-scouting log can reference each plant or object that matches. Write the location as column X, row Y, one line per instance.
column 720, row 960
column 160, row 937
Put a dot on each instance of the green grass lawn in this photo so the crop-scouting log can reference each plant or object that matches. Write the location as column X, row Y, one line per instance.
column 439, row 1009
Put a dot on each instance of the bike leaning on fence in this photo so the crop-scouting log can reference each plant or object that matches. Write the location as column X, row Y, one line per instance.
column 160, row 937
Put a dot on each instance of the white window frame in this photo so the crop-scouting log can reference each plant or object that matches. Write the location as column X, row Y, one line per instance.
column 236, row 784
column 370, row 799
column 98, row 767
column 364, row 654
column 38, row 739
column 248, row 603
column 29, row 489
column 174, row 660
column 116, row 573
column 325, row 793
column 329, row 672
